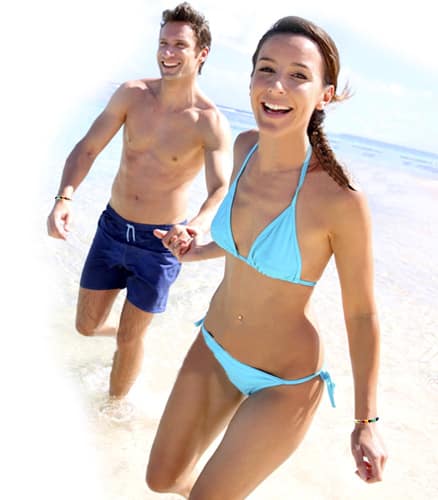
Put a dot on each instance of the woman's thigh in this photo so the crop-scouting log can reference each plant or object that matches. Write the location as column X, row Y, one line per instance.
column 201, row 403
column 265, row 430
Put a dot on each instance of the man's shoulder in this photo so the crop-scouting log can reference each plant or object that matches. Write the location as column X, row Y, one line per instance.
column 206, row 108
column 210, row 118
column 140, row 83
column 138, row 87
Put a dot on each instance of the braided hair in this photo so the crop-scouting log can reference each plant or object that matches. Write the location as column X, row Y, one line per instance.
column 318, row 138
column 323, row 151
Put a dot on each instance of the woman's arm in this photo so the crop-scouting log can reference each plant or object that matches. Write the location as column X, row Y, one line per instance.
column 182, row 239
column 192, row 251
column 197, row 252
column 351, row 241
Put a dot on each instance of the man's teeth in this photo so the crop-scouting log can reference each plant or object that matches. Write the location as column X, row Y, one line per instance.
column 168, row 65
column 276, row 107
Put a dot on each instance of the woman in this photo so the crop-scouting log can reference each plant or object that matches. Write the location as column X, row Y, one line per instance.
column 256, row 367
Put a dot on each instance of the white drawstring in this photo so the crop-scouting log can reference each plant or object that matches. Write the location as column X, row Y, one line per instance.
column 130, row 228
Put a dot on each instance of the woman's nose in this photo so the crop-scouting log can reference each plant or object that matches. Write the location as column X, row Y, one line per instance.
column 276, row 86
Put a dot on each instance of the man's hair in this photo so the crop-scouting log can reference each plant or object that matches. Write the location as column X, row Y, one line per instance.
column 185, row 13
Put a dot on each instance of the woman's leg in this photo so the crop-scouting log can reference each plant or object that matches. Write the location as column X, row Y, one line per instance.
column 200, row 405
column 263, row 433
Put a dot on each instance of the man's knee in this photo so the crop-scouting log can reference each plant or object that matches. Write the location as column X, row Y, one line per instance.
column 129, row 338
column 92, row 311
column 133, row 326
column 85, row 328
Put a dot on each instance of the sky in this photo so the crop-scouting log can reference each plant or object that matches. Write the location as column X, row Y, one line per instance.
column 67, row 50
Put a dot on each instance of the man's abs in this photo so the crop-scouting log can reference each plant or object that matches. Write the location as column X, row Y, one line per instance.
column 151, row 197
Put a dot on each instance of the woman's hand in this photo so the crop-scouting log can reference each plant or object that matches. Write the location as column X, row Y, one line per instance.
column 178, row 239
column 369, row 452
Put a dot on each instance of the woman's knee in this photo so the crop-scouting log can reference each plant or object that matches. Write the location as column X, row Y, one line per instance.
column 159, row 478
column 203, row 490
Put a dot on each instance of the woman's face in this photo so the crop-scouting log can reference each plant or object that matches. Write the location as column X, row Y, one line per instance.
column 288, row 84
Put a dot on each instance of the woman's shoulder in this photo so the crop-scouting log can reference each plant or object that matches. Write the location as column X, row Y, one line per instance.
column 349, row 207
column 245, row 141
column 338, row 204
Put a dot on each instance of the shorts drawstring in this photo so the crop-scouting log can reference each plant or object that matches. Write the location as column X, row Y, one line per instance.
column 130, row 229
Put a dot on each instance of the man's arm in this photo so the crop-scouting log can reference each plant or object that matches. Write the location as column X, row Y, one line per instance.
column 217, row 158
column 81, row 158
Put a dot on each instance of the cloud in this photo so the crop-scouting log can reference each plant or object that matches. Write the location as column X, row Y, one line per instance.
column 61, row 51
column 361, row 83
column 405, row 30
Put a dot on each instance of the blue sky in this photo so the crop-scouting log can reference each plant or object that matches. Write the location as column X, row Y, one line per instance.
column 388, row 54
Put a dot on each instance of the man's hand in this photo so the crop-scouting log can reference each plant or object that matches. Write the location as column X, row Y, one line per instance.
column 59, row 219
column 178, row 239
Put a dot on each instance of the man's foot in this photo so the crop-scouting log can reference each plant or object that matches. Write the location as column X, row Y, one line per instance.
column 117, row 410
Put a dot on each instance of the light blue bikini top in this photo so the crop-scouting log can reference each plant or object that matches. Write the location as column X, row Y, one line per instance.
column 275, row 251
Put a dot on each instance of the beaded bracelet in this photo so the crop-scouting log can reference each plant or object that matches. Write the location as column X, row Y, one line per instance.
column 365, row 420
column 59, row 197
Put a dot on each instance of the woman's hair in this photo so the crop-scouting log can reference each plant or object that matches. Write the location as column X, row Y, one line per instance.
column 330, row 55
column 185, row 13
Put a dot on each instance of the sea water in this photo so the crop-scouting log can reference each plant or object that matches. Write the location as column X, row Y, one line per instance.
column 402, row 189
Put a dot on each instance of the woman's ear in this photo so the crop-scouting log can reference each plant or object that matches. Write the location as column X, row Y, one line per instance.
column 327, row 96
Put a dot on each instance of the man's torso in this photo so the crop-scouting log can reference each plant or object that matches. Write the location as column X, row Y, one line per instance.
column 163, row 151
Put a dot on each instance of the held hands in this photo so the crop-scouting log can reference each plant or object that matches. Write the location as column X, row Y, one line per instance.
column 369, row 452
column 180, row 240
column 59, row 220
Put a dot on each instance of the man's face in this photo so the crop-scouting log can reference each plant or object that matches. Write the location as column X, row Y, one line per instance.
column 178, row 54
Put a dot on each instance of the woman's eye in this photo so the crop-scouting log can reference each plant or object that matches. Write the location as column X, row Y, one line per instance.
column 300, row 76
column 266, row 69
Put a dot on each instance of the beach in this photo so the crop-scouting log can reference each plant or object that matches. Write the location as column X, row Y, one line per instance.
column 74, row 451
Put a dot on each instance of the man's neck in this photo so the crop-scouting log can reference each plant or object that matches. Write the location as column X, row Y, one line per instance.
column 178, row 94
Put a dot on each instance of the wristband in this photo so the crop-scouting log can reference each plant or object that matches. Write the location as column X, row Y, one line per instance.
column 59, row 197
column 365, row 420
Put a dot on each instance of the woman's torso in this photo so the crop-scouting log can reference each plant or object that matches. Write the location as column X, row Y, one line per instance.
column 260, row 320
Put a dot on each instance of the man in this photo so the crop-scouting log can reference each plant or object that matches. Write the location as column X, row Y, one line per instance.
column 171, row 130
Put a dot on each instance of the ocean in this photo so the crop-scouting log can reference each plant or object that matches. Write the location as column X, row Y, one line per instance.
column 93, row 457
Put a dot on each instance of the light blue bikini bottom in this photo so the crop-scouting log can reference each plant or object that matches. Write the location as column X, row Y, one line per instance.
column 249, row 379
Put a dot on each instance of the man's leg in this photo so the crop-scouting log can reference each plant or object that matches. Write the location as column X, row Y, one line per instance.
column 128, row 357
column 93, row 309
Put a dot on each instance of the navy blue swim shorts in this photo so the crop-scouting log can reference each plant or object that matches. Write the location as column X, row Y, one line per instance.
column 127, row 255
